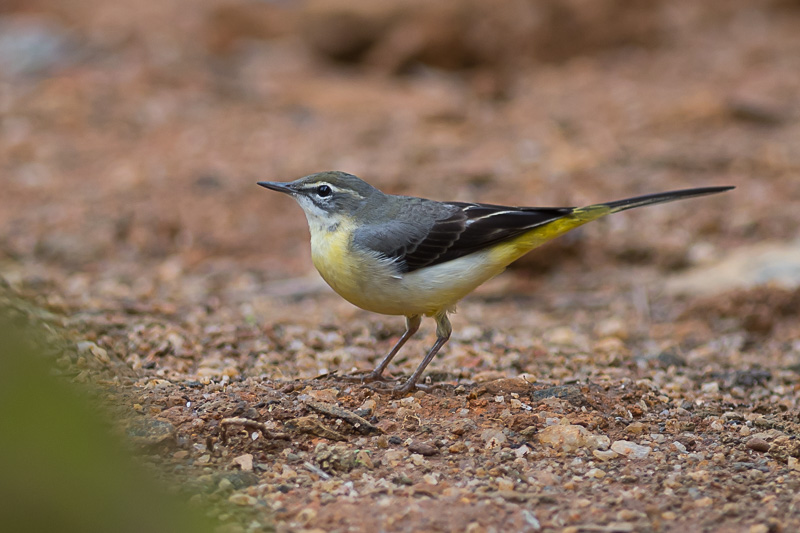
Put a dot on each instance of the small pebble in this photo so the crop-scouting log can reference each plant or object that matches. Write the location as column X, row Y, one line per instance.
column 570, row 437
column 423, row 448
column 561, row 335
column 430, row 479
column 611, row 327
column 363, row 458
column 522, row 451
column 242, row 499
column 758, row 445
column 762, row 422
column 505, row 484
column 369, row 406
column 245, row 462
column 630, row 449
column 531, row 519
column 636, row 428
column 462, row 426
column 595, row 473
column 605, row 455
column 149, row 433
column 494, row 438
column 393, row 457
column 417, row 459
column 703, row 502
column 458, row 447
column 627, row 515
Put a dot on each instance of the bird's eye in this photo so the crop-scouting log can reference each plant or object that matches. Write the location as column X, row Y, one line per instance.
column 323, row 191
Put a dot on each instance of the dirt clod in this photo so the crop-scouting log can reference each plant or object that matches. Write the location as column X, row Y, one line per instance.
column 758, row 445
column 423, row 448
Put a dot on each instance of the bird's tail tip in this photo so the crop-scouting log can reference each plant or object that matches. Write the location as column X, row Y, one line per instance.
column 669, row 196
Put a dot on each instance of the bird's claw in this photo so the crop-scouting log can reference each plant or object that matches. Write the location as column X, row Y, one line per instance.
column 383, row 385
column 366, row 377
column 397, row 391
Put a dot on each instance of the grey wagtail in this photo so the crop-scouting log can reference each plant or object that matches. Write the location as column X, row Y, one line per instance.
column 400, row 255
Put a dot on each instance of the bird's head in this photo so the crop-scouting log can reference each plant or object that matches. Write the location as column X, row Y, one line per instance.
column 327, row 197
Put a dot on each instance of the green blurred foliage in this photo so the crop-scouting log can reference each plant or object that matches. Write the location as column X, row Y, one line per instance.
column 61, row 468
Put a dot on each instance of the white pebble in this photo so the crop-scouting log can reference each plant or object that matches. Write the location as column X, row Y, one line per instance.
column 630, row 449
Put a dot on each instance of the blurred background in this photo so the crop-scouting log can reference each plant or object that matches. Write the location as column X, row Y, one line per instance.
column 131, row 133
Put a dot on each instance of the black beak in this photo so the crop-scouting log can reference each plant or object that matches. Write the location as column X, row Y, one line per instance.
column 277, row 186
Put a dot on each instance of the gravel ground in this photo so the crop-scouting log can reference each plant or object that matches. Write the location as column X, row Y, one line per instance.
column 577, row 393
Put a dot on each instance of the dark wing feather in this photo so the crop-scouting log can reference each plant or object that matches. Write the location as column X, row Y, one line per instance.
column 430, row 233
column 488, row 224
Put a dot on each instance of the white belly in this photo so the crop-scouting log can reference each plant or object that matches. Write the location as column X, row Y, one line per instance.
column 377, row 286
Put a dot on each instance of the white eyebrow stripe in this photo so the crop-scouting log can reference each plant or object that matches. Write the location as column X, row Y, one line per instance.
column 313, row 186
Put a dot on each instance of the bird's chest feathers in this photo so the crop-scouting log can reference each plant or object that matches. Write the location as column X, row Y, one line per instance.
column 357, row 275
column 330, row 244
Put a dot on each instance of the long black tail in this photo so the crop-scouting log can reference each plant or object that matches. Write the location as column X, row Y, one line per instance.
column 561, row 223
column 661, row 197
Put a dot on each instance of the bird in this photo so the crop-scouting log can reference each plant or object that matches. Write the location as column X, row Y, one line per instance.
column 415, row 257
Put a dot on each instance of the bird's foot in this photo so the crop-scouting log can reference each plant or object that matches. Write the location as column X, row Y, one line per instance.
column 398, row 391
column 367, row 377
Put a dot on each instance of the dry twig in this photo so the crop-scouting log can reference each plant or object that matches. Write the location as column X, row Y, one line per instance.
column 361, row 424
column 316, row 470
column 310, row 424
column 248, row 424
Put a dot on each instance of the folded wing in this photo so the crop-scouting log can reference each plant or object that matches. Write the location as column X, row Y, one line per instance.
column 429, row 234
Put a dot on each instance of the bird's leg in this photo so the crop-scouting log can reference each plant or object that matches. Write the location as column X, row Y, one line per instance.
column 412, row 325
column 443, row 331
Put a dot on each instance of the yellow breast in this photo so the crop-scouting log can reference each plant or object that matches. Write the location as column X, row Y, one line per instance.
column 330, row 252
